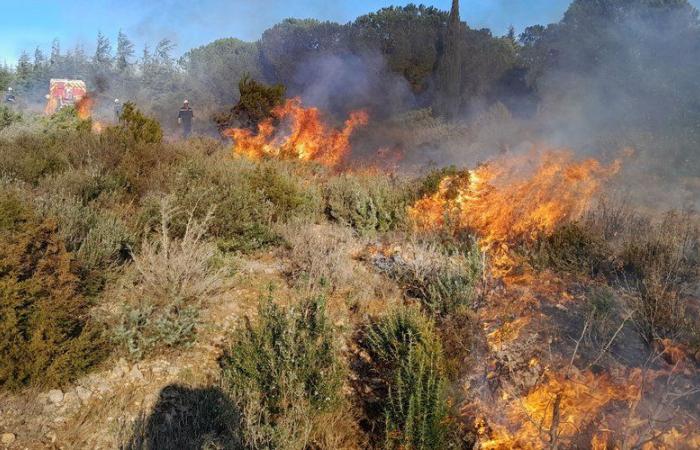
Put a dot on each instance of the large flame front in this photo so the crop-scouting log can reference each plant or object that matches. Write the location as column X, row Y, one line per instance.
column 299, row 134
column 514, row 198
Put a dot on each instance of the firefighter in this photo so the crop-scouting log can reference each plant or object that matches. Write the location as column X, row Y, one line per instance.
column 10, row 96
column 117, row 110
column 184, row 118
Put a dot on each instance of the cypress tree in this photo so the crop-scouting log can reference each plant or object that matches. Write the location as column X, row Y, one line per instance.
column 449, row 73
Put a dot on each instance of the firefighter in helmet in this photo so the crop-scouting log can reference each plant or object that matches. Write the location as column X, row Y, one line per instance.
column 10, row 96
column 184, row 118
column 117, row 110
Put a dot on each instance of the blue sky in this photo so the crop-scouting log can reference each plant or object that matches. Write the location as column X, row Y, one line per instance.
column 190, row 23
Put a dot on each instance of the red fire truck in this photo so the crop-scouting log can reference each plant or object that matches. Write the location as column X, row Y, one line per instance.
column 64, row 93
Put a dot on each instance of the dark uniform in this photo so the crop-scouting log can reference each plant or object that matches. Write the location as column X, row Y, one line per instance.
column 117, row 112
column 10, row 98
column 185, row 117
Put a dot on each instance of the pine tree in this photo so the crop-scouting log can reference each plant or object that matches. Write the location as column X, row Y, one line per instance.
column 103, row 51
column 449, row 73
column 55, row 52
column 125, row 51
column 24, row 67
column 39, row 59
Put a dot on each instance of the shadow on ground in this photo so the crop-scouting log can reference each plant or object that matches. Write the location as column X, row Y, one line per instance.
column 187, row 418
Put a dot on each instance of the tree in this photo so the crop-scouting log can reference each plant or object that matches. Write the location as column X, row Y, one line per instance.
column 213, row 70
column 24, row 68
column 103, row 50
column 449, row 73
column 55, row 57
column 125, row 51
column 39, row 59
column 256, row 104
column 408, row 38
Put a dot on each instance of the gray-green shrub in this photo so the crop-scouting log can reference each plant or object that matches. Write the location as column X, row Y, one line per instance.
column 367, row 202
column 407, row 356
column 283, row 371
column 172, row 279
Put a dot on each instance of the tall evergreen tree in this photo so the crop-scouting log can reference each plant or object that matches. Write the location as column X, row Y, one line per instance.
column 125, row 51
column 103, row 51
column 449, row 72
column 24, row 67
column 55, row 52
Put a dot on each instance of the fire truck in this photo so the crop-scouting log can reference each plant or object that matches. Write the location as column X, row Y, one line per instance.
column 64, row 93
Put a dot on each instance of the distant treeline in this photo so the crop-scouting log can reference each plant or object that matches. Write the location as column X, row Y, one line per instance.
column 636, row 59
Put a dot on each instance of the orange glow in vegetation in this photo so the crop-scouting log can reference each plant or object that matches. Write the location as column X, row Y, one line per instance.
column 296, row 132
column 556, row 411
column 513, row 199
column 84, row 107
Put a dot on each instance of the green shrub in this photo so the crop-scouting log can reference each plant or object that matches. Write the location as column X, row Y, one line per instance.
column 98, row 238
column 250, row 198
column 407, row 356
column 15, row 211
column 138, row 127
column 367, row 202
column 173, row 278
column 284, row 373
column 8, row 117
column 46, row 335
column 29, row 158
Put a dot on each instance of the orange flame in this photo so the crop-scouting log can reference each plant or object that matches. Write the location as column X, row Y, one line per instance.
column 301, row 134
column 513, row 199
column 557, row 410
column 84, row 107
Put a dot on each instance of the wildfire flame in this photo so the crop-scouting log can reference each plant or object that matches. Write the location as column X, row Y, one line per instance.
column 513, row 199
column 296, row 132
column 556, row 410
column 83, row 108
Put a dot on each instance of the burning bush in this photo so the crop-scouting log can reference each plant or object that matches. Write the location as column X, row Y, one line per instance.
column 514, row 199
column 297, row 133
column 284, row 374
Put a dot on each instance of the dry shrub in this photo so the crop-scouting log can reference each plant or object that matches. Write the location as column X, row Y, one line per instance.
column 172, row 279
column 659, row 268
column 319, row 254
column 572, row 248
column 98, row 238
column 443, row 281
column 284, row 374
column 47, row 337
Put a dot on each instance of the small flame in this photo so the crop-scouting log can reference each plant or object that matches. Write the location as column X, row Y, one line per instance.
column 84, row 107
column 301, row 134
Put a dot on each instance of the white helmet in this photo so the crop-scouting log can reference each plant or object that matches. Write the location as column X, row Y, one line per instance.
column 9, row 89
column 116, row 100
